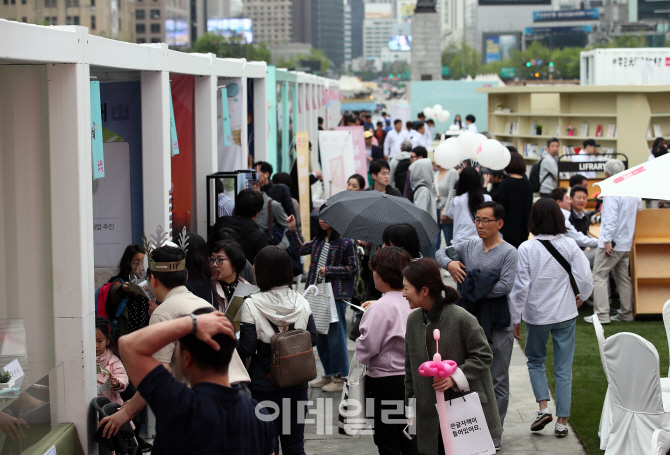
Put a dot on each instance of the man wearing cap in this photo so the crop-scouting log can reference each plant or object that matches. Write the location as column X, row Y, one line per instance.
column 393, row 140
column 589, row 154
column 372, row 152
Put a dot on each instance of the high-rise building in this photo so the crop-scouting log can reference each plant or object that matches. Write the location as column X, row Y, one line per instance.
column 377, row 28
column 328, row 30
column 357, row 18
column 163, row 21
column 347, row 32
column 272, row 22
column 107, row 18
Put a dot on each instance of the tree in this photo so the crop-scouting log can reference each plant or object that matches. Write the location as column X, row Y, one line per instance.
column 314, row 55
column 231, row 47
column 462, row 60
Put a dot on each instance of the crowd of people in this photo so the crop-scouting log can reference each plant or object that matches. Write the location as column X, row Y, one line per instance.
column 203, row 374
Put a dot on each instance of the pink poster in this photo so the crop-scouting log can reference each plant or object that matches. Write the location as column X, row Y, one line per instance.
column 360, row 157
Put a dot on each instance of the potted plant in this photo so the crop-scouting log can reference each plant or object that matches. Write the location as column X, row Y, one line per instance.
column 4, row 379
column 538, row 130
column 571, row 130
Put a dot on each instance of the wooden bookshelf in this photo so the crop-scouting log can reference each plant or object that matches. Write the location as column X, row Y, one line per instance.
column 649, row 255
column 632, row 109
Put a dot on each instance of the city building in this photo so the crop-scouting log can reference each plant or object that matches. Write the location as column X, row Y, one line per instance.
column 273, row 21
column 347, row 34
column 107, row 18
column 357, row 18
column 163, row 21
column 377, row 28
column 328, row 30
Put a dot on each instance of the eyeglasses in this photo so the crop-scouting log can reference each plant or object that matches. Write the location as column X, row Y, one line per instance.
column 484, row 222
column 218, row 261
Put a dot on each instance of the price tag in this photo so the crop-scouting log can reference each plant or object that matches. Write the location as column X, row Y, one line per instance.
column 14, row 368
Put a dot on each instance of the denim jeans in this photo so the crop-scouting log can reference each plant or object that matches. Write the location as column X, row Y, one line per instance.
column 332, row 348
column 446, row 229
column 563, row 337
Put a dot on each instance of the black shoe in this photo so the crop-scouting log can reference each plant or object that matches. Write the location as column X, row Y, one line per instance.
column 496, row 443
column 541, row 419
column 143, row 445
column 561, row 431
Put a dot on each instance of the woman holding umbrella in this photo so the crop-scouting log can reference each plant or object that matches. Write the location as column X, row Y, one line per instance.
column 333, row 259
column 462, row 340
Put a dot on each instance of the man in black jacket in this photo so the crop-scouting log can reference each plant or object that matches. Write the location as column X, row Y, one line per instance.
column 279, row 192
column 380, row 171
column 373, row 152
column 248, row 204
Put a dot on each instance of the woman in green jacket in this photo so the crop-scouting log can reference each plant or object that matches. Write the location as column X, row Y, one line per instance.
column 461, row 339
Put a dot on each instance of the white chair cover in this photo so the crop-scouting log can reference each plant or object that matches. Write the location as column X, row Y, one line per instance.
column 637, row 409
column 666, row 322
column 606, row 415
column 660, row 442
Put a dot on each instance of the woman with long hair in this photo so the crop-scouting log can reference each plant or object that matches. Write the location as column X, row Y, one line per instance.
column 542, row 293
column 516, row 196
column 199, row 269
column 461, row 339
column 261, row 316
column 463, row 207
column 381, row 347
column 137, row 310
column 333, row 259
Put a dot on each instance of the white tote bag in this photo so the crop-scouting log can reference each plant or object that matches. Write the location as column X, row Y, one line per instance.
column 323, row 306
column 352, row 420
column 467, row 424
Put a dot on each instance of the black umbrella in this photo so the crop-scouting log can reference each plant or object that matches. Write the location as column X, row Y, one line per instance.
column 363, row 215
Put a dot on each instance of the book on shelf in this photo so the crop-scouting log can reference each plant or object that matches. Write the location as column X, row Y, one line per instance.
column 531, row 150
column 599, row 131
column 508, row 128
column 532, row 129
column 611, row 130
column 657, row 130
column 585, row 130
column 606, row 153
column 568, row 150
column 558, row 130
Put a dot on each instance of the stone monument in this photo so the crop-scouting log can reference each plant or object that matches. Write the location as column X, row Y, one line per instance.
column 426, row 42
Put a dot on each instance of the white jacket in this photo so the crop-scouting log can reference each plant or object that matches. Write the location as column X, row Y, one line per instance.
column 281, row 305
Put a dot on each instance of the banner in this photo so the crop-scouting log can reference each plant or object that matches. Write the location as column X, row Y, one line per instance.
column 112, row 231
column 271, row 140
column 285, row 129
column 174, row 149
column 182, row 88
column 569, row 15
column 97, row 152
column 358, row 141
column 225, row 115
column 232, row 156
column 337, row 160
column 302, row 147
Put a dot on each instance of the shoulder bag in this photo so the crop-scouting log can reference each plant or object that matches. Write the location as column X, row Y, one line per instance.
column 564, row 263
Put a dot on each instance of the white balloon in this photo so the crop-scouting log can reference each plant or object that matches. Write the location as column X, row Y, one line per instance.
column 480, row 139
column 504, row 162
column 428, row 112
column 446, row 154
column 444, row 116
column 489, row 153
column 437, row 109
column 467, row 145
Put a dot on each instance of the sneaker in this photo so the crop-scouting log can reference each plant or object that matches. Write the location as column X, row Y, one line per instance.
column 336, row 385
column 560, row 431
column 319, row 383
column 617, row 318
column 541, row 419
column 589, row 319
column 143, row 445
column 496, row 443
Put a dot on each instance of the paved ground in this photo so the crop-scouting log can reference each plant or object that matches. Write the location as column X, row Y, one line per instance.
column 517, row 438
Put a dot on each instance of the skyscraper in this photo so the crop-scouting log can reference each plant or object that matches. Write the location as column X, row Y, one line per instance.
column 272, row 22
column 328, row 30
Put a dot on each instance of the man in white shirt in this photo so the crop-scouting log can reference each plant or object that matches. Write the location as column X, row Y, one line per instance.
column 560, row 195
column 394, row 138
column 617, row 227
column 417, row 137
column 589, row 154
column 470, row 123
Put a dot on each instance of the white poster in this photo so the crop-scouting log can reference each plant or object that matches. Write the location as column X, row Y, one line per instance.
column 337, row 160
column 112, row 226
column 232, row 157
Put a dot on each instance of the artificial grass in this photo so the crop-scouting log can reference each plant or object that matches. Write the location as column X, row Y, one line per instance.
column 588, row 378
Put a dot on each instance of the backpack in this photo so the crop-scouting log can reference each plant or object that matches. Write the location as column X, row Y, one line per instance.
column 400, row 174
column 534, row 176
column 101, row 298
column 292, row 361
column 411, row 196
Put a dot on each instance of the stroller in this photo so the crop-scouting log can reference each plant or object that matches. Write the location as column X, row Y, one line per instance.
column 124, row 443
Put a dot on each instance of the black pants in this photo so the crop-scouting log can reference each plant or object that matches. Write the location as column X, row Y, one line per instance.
column 293, row 441
column 388, row 437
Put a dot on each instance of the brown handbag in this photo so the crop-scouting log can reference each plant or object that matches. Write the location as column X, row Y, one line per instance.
column 292, row 360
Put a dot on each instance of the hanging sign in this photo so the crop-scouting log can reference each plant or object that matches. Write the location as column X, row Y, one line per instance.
column 96, row 132
column 227, row 136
